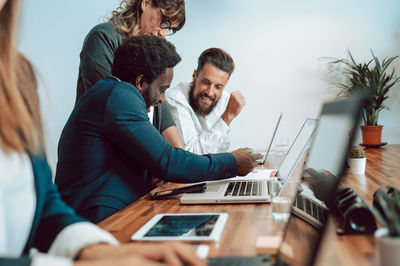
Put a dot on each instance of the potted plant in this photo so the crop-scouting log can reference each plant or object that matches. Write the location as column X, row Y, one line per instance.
column 386, row 208
column 357, row 161
column 374, row 79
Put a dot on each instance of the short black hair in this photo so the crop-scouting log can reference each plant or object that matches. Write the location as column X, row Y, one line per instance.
column 145, row 55
column 218, row 58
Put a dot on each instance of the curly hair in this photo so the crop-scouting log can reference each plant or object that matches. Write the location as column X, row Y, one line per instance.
column 126, row 16
column 145, row 55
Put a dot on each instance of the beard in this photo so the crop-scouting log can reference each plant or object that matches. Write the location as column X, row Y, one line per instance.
column 194, row 101
column 150, row 97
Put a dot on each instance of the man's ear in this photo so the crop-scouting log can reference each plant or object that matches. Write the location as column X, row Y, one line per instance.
column 141, row 84
column 145, row 4
column 194, row 74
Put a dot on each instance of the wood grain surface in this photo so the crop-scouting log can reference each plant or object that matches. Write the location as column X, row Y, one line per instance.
column 248, row 221
column 383, row 168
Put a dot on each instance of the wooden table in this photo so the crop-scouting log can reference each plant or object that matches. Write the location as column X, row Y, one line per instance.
column 383, row 168
column 247, row 221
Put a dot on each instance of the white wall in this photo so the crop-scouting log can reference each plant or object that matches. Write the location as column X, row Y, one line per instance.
column 278, row 47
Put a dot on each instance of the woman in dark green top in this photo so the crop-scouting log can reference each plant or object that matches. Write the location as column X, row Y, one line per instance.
column 133, row 17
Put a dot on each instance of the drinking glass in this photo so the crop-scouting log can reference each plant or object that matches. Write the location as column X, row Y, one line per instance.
column 281, row 202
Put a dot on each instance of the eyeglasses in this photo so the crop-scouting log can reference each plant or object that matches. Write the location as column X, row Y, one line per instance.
column 166, row 25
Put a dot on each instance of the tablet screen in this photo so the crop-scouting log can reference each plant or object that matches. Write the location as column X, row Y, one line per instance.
column 183, row 225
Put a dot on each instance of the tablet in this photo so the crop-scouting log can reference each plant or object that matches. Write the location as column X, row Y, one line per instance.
column 183, row 226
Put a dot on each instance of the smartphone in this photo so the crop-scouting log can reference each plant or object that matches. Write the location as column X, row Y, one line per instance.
column 198, row 188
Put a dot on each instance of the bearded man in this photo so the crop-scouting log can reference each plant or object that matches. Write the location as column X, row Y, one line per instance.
column 202, row 109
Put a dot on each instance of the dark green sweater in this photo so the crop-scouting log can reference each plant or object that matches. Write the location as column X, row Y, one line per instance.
column 97, row 57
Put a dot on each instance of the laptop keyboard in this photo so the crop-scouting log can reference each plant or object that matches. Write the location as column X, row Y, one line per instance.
column 245, row 188
column 311, row 208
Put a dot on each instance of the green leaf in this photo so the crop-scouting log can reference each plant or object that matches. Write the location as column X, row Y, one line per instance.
column 369, row 78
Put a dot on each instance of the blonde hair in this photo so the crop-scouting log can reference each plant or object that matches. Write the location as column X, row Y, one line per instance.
column 20, row 121
column 126, row 16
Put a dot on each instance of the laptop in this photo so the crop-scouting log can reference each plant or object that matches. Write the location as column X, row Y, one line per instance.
column 303, row 137
column 309, row 208
column 252, row 188
column 262, row 161
column 327, row 151
column 306, row 205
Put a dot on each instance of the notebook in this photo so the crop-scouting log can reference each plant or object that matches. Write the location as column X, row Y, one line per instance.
column 252, row 188
column 327, row 151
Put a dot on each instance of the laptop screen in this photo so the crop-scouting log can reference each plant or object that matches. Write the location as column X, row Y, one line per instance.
column 297, row 148
column 326, row 158
column 271, row 141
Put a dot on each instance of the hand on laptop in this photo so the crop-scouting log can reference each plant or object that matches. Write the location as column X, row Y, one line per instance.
column 235, row 105
column 320, row 181
column 246, row 161
column 172, row 253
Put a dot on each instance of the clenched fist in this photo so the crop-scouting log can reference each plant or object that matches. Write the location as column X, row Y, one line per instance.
column 235, row 105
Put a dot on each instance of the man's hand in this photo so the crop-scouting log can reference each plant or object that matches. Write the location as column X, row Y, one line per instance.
column 320, row 181
column 168, row 254
column 235, row 105
column 246, row 161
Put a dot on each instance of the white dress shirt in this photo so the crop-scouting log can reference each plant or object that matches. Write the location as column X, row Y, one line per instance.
column 200, row 134
column 17, row 209
column 150, row 114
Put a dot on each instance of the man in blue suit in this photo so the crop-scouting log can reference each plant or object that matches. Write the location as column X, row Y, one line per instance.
column 109, row 150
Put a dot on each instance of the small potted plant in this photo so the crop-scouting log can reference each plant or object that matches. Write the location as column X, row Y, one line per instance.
column 374, row 79
column 357, row 161
column 386, row 208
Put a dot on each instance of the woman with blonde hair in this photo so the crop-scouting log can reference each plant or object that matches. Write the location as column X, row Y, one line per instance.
column 133, row 17
column 32, row 215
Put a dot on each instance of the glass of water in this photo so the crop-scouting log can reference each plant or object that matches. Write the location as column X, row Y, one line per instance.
column 280, row 208
column 281, row 202
column 277, row 153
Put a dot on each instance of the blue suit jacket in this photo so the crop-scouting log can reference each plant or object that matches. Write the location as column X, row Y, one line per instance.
column 109, row 144
column 51, row 214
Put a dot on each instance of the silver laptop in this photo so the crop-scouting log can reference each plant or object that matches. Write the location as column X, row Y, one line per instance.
column 262, row 161
column 253, row 190
column 306, row 205
column 329, row 150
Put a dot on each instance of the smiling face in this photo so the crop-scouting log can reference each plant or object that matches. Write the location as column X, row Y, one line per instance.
column 151, row 19
column 206, row 88
column 154, row 93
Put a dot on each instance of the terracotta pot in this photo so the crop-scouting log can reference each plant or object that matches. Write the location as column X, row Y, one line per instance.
column 371, row 135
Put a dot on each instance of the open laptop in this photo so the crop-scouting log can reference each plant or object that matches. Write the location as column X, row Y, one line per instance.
column 262, row 161
column 293, row 155
column 307, row 206
column 328, row 151
column 253, row 189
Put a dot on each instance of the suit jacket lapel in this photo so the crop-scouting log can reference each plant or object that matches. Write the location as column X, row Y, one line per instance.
column 39, row 201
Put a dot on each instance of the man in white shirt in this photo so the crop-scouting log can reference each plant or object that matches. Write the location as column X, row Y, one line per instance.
column 202, row 110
